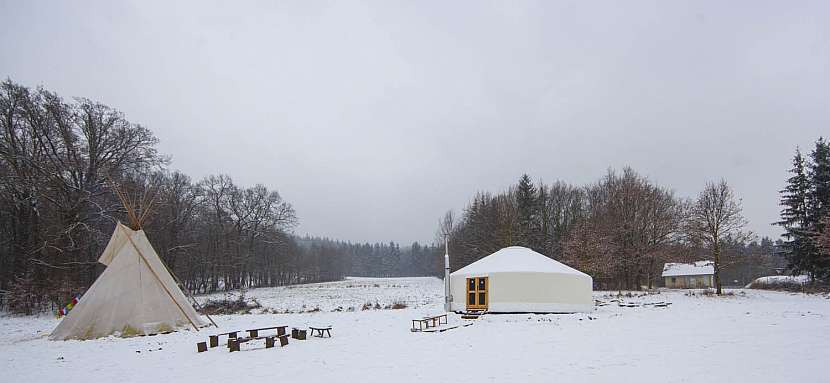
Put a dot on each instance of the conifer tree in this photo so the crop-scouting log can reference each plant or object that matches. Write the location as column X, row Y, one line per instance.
column 527, row 203
column 795, row 199
column 819, row 208
column 819, row 178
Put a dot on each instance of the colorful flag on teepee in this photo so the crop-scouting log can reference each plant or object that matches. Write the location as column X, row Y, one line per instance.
column 65, row 310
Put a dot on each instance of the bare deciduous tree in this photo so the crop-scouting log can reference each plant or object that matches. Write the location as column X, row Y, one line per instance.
column 715, row 216
column 446, row 226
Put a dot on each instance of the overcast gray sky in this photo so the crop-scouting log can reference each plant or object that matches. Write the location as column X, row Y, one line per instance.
column 375, row 118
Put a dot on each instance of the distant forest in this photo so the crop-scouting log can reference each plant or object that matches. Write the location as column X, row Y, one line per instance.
column 380, row 260
column 61, row 161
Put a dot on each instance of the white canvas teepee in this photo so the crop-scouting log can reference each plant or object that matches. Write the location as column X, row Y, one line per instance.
column 135, row 295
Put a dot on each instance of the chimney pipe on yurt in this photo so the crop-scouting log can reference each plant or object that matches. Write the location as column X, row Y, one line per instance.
column 447, row 295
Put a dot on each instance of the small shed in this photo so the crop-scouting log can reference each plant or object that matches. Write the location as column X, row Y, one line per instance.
column 519, row 280
column 697, row 275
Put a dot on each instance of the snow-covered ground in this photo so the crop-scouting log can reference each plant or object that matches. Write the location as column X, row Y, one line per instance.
column 349, row 295
column 754, row 336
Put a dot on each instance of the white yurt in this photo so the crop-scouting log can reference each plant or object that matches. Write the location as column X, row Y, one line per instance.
column 519, row 280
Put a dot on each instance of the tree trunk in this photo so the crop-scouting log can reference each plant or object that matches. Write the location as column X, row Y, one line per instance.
column 716, row 253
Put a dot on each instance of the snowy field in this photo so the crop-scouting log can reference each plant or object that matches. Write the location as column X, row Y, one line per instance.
column 349, row 295
column 753, row 336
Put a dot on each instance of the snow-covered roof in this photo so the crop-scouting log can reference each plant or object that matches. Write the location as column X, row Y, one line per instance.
column 680, row 269
column 516, row 259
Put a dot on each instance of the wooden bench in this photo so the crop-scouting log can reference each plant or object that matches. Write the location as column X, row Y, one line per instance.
column 255, row 332
column 319, row 331
column 427, row 322
column 270, row 341
column 214, row 339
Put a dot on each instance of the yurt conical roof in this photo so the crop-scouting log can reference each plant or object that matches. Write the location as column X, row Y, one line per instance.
column 516, row 259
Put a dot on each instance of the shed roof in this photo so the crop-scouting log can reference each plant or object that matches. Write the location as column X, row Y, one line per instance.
column 680, row 269
column 516, row 259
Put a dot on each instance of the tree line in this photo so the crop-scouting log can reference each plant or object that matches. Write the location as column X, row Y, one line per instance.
column 61, row 162
column 620, row 230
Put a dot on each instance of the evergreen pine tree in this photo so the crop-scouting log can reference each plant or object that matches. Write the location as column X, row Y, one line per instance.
column 819, row 177
column 819, row 206
column 527, row 204
column 795, row 199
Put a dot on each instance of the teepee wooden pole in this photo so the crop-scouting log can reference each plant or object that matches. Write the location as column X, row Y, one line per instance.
column 129, row 238
column 127, row 204
column 146, row 210
column 145, row 207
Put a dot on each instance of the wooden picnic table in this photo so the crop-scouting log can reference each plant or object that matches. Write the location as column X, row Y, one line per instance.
column 430, row 321
column 214, row 339
column 255, row 332
column 234, row 340
column 270, row 341
column 320, row 330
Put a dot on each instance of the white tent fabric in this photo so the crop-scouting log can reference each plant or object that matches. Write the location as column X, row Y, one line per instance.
column 522, row 280
column 135, row 295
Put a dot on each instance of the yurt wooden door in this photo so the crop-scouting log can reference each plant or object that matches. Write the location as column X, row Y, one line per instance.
column 477, row 294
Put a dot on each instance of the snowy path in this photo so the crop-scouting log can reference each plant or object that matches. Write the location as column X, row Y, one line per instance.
column 760, row 337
